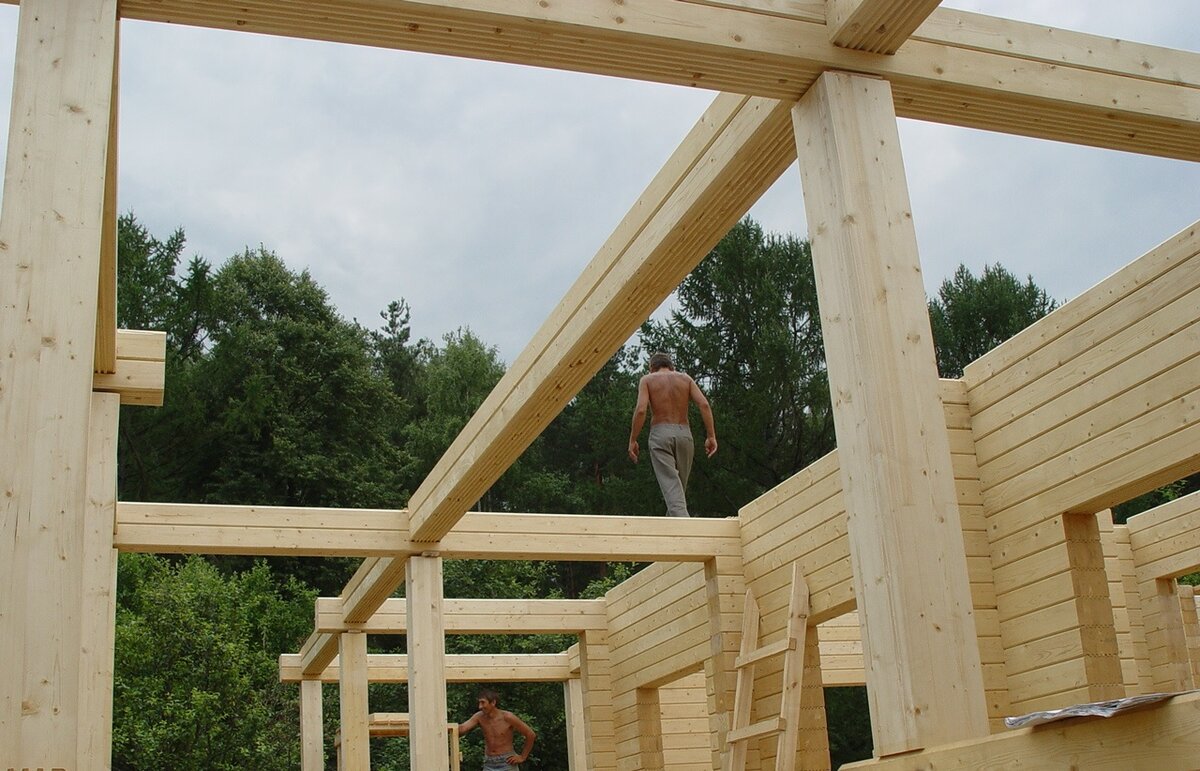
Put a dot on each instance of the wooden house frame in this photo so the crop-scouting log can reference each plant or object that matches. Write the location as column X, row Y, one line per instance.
column 962, row 520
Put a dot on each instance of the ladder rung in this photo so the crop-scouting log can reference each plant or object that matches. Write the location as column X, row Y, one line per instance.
column 765, row 652
column 762, row 728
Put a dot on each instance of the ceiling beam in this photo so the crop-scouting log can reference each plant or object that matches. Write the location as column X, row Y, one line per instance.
column 473, row 616
column 877, row 26
column 984, row 81
column 185, row 528
column 460, row 668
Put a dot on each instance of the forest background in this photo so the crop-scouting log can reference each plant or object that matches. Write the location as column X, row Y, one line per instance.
column 273, row 398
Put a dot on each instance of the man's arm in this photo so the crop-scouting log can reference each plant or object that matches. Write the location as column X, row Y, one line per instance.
column 467, row 726
column 639, row 418
column 519, row 726
column 710, row 443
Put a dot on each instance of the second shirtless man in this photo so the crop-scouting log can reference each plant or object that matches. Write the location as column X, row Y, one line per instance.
column 498, row 726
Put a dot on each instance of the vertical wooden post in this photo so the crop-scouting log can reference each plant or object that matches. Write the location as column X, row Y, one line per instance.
column 50, row 235
column 426, row 663
column 595, row 674
column 922, row 656
column 577, row 755
column 1191, row 628
column 649, row 718
column 312, row 727
column 725, row 588
column 99, row 563
column 1165, row 637
column 355, row 754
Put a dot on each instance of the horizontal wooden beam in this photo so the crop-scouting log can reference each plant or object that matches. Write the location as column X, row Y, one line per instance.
column 878, row 26
column 184, row 528
column 955, row 70
column 460, row 668
column 1166, row 539
column 139, row 375
column 470, row 616
column 1159, row 736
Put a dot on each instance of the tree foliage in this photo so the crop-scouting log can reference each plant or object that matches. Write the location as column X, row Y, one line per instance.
column 972, row 315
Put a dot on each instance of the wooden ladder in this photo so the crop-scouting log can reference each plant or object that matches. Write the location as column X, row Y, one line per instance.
column 791, row 647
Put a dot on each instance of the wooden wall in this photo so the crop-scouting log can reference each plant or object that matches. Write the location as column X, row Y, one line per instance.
column 1088, row 407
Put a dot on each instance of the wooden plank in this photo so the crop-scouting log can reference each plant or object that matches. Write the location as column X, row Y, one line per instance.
column 896, row 473
column 1162, row 736
column 577, row 752
column 296, row 531
column 1100, row 93
column 460, row 668
column 353, row 677
column 51, row 229
column 762, row 728
column 426, row 655
column 472, row 616
column 99, row 582
column 312, row 726
column 876, row 26
column 105, row 358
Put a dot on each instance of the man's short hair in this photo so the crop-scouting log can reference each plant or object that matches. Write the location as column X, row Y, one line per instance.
column 660, row 360
column 488, row 694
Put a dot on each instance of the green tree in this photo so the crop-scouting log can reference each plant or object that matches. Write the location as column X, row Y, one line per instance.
column 196, row 671
column 971, row 316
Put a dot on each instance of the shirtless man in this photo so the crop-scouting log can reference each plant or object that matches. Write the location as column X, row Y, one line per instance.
column 667, row 394
column 498, row 726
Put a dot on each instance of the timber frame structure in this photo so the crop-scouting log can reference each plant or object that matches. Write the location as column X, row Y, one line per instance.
column 956, row 549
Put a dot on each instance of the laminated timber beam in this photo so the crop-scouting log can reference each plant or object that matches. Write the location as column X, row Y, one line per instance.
column 877, row 26
column 959, row 68
column 737, row 150
column 471, row 616
column 179, row 528
column 460, row 668
column 138, row 372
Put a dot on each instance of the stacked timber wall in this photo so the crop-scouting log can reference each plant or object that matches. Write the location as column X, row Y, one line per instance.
column 1090, row 406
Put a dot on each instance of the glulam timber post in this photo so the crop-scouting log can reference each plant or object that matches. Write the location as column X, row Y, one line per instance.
column 595, row 675
column 312, row 726
column 354, row 753
column 576, row 738
column 427, row 663
column 910, row 574
column 53, row 711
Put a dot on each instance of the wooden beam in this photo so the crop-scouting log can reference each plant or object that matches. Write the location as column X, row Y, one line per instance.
column 106, row 299
column 1166, row 539
column 923, row 666
column 426, row 657
column 756, row 48
column 460, row 668
column 51, row 230
column 138, row 372
column 312, row 727
column 469, row 616
column 353, row 677
column 99, row 563
column 876, row 26
column 577, row 751
column 1159, row 736
column 282, row 530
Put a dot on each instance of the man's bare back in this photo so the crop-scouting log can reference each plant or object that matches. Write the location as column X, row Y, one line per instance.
column 669, row 393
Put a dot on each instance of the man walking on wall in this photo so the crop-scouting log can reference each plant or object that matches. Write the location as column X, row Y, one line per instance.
column 667, row 393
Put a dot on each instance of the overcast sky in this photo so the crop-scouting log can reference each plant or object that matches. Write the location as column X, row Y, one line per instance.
column 478, row 191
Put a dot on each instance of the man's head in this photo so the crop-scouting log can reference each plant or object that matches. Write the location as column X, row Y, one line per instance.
column 661, row 360
column 488, row 699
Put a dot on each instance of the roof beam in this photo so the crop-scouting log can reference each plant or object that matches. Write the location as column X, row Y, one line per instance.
column 876, row 26
column 460, row 668
column 950, row 72
column 184, row 528
column 472, row 616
